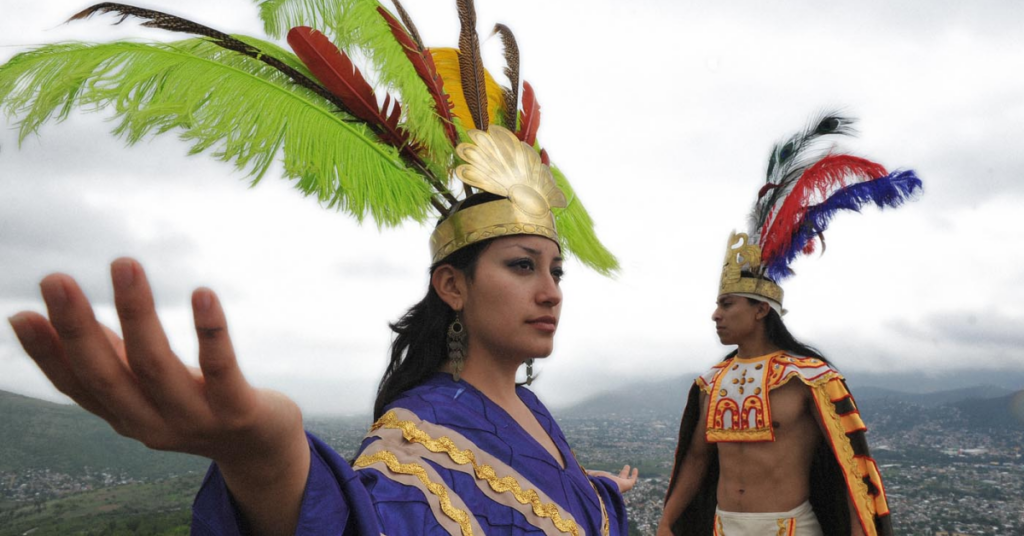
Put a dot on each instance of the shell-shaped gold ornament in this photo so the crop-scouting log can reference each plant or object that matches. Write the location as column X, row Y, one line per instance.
column 498, row 162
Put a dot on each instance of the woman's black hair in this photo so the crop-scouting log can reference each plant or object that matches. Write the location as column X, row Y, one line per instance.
column 420, row 347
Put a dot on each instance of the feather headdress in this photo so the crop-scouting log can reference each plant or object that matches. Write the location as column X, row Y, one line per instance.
column 386, row 149
column 806, row 185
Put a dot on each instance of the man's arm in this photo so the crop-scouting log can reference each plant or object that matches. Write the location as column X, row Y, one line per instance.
column 691, row 473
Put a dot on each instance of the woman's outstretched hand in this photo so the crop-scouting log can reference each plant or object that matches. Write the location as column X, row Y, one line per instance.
column 146, row 393
column 626, row 478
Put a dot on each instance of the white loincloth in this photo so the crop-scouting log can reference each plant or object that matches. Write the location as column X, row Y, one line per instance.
column 799, row 521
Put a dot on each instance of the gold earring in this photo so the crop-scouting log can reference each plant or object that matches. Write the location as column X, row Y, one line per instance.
column 457, row 346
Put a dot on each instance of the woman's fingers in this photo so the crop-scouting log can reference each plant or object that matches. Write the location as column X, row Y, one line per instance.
column 116, row 343
column 625, row 479
column 90, row 357
column 628, row 478
column 162, row 376
column 227, row 391
column 141, row 388
column 41, row 343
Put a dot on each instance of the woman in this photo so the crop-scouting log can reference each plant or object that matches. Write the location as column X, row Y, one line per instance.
column 255, row 436
column 457, row 447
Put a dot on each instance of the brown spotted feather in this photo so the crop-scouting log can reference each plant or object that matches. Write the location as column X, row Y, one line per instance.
column 471, row 65
column 409, row 26
column 512, row 72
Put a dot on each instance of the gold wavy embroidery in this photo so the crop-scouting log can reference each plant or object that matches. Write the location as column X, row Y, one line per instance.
column 458, row 515
column 507, row 484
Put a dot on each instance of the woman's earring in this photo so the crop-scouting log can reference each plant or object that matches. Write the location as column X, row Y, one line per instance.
column 457, row 346
column 529, row 371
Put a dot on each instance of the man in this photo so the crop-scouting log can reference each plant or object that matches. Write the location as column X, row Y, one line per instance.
column 771, row 441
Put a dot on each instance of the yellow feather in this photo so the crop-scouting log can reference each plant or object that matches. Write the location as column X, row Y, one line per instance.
column 447, row 62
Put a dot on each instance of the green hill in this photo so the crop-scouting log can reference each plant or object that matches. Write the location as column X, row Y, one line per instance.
column 160, row 508
column 66, row 439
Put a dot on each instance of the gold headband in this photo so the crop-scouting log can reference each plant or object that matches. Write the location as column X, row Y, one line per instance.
column 497, row 162
column 739, row 255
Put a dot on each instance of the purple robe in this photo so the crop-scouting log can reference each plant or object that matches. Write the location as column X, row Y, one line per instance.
column 443, row 459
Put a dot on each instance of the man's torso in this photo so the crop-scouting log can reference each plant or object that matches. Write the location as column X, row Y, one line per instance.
column 763, row 422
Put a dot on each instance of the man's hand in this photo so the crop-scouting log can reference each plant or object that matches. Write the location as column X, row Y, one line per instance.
column 626, row 479
column 146, row 393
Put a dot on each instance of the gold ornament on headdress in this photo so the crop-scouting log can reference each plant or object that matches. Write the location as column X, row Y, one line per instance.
column 742, row 255
column 497, row 162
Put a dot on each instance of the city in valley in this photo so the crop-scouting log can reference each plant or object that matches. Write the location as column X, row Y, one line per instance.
column 952, row 468
column 941, row 477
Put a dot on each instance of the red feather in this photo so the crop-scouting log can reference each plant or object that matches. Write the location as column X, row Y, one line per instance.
column 531, row 116
column 340, row 76
column 765, row 189
column 423, row 62
column 814, row 186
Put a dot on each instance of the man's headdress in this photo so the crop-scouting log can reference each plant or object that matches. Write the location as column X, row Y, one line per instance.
column 805, row 188
column 388, row 148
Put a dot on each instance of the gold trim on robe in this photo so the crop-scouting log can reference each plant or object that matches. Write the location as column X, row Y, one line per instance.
column 500, row 482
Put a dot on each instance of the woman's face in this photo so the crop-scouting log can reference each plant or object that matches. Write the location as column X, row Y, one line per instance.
column 513, row 301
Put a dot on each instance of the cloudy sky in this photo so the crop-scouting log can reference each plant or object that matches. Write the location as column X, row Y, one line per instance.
column 662, row 114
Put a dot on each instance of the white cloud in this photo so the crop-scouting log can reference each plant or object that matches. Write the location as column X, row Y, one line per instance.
column 660, row 112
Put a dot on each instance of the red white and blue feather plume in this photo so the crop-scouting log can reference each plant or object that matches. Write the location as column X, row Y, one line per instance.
column 805, row 187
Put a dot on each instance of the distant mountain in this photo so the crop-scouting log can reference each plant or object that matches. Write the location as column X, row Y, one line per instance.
column 35, row 434
column 923, row 382
column 665, row 399
column 990, row 413
column 659, row 400
column 935, row 398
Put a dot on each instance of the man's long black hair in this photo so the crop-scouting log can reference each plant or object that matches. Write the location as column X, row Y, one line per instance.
column 780, row 337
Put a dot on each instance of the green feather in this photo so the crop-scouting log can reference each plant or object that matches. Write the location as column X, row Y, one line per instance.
column 576, row 231
column 241, row 108
column 355, row 25
column 279, row 16
column 286, row 56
